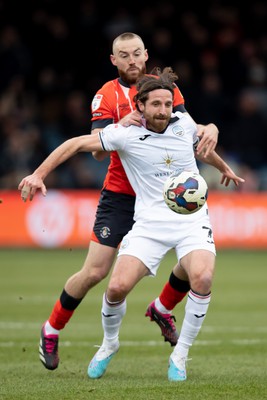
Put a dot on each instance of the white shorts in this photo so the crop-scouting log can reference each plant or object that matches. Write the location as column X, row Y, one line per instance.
column 150, row 241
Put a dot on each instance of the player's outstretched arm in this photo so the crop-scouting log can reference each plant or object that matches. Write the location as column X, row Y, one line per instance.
column 32, row 183
column 208, row 138
column 229, row 176
column 216, row 161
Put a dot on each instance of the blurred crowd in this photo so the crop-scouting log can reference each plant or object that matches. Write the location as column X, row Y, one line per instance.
column 54, row 56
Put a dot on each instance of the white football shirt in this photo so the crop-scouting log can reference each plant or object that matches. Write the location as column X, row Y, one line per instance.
column 149, row 158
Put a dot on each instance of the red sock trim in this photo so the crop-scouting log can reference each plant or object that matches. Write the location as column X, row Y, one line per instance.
column 59, row 316
column 170, row 297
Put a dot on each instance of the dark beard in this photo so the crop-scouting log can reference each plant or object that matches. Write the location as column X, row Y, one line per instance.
column 128, row 80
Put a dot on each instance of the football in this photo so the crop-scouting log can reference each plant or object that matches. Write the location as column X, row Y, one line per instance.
column 185, row 192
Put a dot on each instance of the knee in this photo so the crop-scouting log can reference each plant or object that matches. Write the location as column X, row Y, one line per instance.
column 92, row 276
column 96, row 275
column 117, row 290
column 201, row 282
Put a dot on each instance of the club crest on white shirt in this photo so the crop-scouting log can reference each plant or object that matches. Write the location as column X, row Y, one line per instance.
column 124, row 243
column 178, row 130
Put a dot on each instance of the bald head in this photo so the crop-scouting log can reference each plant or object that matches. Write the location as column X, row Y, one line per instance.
column 124, row 38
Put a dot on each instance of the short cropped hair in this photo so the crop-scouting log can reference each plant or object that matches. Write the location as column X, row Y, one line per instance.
column 126, row 36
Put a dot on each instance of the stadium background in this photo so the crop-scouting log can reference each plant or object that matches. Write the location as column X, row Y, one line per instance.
column 55, row 55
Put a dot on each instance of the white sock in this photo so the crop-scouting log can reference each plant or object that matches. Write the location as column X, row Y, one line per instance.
column 195, row 312
column 49, row 330
column 160, row 307
column 112, row 315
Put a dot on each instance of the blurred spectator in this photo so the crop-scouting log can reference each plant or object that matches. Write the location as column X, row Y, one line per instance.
column 246, row 137
column 121, row 20
column 15, row 57
column 213, row 177
column 54, row 56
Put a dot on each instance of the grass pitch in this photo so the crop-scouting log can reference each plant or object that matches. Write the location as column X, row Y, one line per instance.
column 229, row 357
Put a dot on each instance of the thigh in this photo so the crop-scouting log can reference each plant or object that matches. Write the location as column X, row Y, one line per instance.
column 114, row 218
column 199, row 265
column 145, row 244
column 197, row 235
column 127, row 272
column 197, row 261
column 99, row 257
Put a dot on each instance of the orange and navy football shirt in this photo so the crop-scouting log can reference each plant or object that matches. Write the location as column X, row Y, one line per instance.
column 110, row 104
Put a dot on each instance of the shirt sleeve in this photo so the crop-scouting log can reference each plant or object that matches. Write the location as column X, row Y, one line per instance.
column 102, row 106
column 178, row 98
column 178, row 101
column 113, row 137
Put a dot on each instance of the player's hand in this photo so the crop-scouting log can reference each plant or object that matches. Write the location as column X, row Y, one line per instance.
column 209, row 138
column 134, row 118
column 229, row 176
column 29, row 186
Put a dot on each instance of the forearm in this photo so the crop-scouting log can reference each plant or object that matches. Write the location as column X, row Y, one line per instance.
column 215, row 160
column 34, row 182
column 62, row 153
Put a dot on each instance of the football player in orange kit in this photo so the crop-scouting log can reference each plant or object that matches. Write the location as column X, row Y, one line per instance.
column 114, row 217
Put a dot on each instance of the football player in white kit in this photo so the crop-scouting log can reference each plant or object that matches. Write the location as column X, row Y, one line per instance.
column 149, row 154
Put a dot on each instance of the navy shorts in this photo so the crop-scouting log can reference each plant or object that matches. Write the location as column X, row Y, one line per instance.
column 114, row 217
